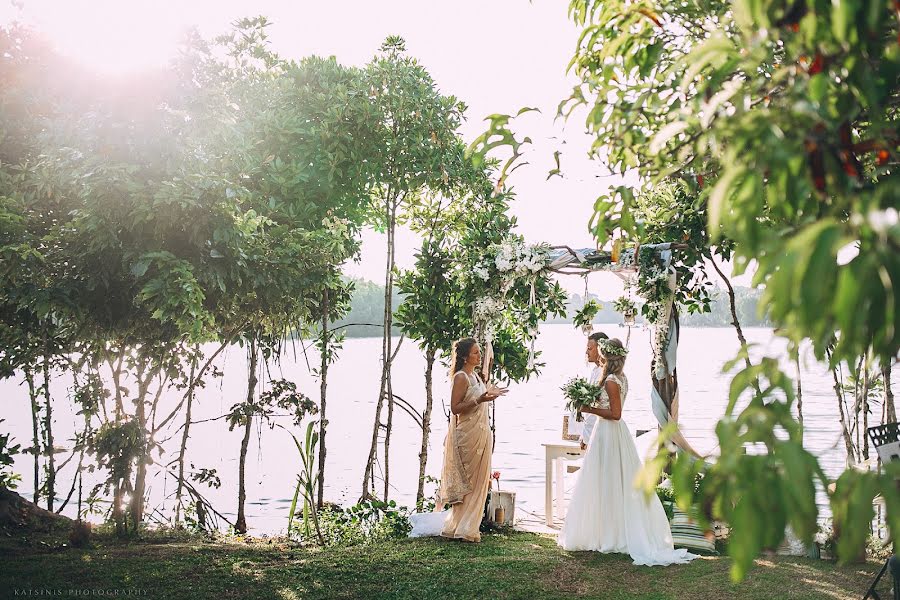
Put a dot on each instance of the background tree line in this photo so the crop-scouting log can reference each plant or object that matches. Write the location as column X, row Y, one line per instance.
column 367, row 304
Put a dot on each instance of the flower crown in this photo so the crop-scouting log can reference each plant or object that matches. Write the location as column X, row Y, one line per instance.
column 608, row 348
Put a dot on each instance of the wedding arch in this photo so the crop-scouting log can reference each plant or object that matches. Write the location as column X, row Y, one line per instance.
column 646, row 269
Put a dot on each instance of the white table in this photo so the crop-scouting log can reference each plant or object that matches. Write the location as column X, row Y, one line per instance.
column 555, row 455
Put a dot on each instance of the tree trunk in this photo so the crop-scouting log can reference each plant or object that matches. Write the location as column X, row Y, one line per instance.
column 389, row 354
column 323, row 389
column 865, row 411
column 799, row 397
column 118, row 513
column 140, row 478
column 384, row 391
column 888, row 392
column 184, row 438
column 734, row 318
column 240, row 524
column 845, row 431
column 35, row 432
column 116, row 376
column 78, row 470
column 48, row 430
column 387, row 437
column 426, row 423
column 857, row 406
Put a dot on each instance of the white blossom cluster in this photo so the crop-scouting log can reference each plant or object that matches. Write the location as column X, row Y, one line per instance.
column 487, row 314
column 658, row 279
column 660, row 334
column 515, row 261
column 515, row 256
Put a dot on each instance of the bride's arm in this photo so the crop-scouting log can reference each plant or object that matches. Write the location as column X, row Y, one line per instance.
column 614, row 412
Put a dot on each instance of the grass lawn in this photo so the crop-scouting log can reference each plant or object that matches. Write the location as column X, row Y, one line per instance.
column 516, row 565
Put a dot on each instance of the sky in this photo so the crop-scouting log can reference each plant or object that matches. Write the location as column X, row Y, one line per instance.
column 496, row 55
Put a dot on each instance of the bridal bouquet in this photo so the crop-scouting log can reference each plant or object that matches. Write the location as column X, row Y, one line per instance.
column 580, row 393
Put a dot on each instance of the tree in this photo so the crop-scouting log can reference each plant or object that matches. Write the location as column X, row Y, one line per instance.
column 139, row 228
column 293, row 144
column 432, row 309
column 440, row 292
column 784, row 114
column 420, row 155
column 282, row 394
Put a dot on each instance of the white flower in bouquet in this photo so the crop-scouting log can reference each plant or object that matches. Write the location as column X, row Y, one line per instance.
column 482, row 272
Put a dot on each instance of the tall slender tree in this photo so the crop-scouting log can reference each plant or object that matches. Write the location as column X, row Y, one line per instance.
column 420, row 154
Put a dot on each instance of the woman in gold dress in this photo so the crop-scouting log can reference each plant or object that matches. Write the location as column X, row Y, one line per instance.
column 465, row 477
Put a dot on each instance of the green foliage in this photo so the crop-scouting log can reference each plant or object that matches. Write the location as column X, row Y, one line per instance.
column 498, row 134
column 777, row 478
column 652, row 285
column 367, row 523
column 431, row 308
column 214, row 204
column 426, row 503
column 794, row 161
column 8, row 450
column 586, row 314
column 519, row 318
column 306, row 485
column 416, row 131
column 667, row 498
column 777, row 124
column 118, row 446
column 366, row 310
column 281, row 394
column 625, row 305
column 669, row 211
column 207, row 477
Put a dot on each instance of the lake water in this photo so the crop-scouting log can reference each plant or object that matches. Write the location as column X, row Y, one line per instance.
column 531, row 414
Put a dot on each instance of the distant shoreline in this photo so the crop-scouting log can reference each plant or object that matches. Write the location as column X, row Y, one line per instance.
column 352, row 333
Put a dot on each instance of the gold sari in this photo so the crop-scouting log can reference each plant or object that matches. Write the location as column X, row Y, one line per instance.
column 465, row 477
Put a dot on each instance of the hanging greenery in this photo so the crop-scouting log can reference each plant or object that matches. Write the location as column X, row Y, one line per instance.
column 584, row 317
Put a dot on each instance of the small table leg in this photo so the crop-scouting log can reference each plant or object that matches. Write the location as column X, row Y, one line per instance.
column 560, row 489
column 548, row 488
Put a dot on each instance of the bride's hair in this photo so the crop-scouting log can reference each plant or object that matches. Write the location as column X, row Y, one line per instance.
column 461, row 350
column 614, row 364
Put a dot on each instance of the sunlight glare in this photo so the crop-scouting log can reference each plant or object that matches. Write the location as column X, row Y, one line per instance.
column 111, row 38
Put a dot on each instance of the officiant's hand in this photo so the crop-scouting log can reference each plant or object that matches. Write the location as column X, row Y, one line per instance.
column 493, row 392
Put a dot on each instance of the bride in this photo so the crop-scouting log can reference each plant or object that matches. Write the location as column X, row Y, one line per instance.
column 607, row 513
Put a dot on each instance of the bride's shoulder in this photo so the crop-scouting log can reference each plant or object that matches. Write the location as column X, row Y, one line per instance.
column 617, row 380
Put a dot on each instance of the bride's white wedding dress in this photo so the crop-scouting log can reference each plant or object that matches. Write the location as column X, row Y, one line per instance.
column 607, row 513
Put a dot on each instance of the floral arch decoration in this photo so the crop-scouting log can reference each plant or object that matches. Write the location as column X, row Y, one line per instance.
column 646, row 269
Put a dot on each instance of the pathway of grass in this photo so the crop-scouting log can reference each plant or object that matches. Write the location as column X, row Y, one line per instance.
column 517, row 565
